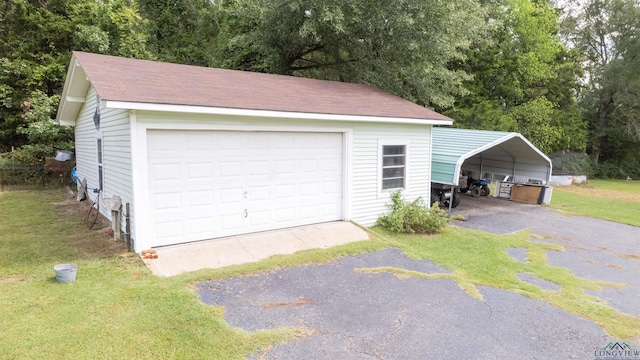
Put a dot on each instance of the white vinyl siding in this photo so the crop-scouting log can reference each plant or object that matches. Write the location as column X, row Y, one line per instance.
column 368, row 198
column 116, row 155
column 362, row 160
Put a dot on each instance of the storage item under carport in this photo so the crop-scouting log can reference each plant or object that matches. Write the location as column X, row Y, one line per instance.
column 528, row 193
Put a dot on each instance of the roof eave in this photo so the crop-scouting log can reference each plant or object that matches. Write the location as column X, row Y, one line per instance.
column 268, row 113
column 74, row 92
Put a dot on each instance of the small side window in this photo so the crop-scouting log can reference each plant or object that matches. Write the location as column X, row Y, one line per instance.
column 394, row 160
column 99, row 149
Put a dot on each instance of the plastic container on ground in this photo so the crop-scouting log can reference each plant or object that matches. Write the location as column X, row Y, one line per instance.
column 66, row 273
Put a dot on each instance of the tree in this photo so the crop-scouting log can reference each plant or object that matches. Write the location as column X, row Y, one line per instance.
column 43, row 134
column 607, row 35
column 523, row 79
column 399, row 46
column 37, row 40
column 182, row 31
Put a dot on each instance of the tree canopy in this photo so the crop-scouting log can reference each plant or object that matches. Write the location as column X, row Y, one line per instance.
column 402, row 47
column 523, row 79
column 564, row 76
column 607, row 35
column 37, row 40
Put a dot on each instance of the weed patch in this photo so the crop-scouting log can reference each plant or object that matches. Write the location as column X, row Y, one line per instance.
column 480, row 259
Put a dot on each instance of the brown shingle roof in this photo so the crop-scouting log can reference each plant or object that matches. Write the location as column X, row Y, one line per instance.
column 142, row 81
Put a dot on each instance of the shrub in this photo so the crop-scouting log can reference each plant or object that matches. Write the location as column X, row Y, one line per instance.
column 412, row 217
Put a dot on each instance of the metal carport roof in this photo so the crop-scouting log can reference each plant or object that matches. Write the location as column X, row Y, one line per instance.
column 482, row 151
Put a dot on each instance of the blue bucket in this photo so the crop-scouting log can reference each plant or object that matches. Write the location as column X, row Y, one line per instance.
column 66, row 273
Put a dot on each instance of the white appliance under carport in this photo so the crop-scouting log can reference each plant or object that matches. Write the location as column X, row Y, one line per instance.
column 503, row 155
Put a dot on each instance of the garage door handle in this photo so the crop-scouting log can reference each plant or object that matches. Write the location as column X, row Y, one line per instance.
column 246, row 213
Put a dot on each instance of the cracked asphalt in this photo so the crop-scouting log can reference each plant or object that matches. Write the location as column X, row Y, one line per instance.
column 356, row 315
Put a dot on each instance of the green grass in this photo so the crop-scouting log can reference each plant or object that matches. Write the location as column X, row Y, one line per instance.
column 617, row 185
column 118, row 309
column 480, row 259
column 613, row 200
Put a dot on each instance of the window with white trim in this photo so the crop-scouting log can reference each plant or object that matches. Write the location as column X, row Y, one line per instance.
column 99, row 156
column 394, row 165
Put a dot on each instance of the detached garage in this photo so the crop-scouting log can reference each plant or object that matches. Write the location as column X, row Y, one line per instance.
column 201, row 153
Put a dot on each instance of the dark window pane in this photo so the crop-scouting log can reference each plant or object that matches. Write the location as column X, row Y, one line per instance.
column 393, row 160
column 392, row 184
column 99, row 146
column 100, row 181
column 393, row 150
column 392, row 172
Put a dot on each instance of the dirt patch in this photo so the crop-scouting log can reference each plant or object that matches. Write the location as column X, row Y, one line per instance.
column 588, row 190
column 287, row 304
column 99, row 240
column 11, row 279
column 629, row 256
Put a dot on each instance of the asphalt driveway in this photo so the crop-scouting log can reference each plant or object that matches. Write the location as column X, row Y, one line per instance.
column 355, row 315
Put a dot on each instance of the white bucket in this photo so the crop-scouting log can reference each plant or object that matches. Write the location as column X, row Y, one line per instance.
column 66, row 273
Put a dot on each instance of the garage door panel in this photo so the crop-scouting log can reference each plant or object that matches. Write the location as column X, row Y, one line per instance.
column 231, row 224
column 285, row 191
column 165, row 172
column 308, row 165
column 258, row 168
column 169, row 229
column 259, row 193
column 285, row 167
column 229, row 169
column 309, row 189
column 201, row 198
column 208, row 184
column 201, row 226
column 198, row 140
column 259, row 218
column 197, row 170
column 230, row 196
column 167, row 201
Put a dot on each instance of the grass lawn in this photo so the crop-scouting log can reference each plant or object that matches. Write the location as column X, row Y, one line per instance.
column 613, row 200
column 118, row 309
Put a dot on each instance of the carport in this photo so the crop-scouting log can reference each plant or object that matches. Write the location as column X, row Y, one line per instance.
column 487, row 154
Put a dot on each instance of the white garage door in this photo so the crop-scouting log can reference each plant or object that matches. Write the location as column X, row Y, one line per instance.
column 208, row 184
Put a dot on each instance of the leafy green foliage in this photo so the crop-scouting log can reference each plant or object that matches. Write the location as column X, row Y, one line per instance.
column 607, row 35
column 399, row 46
column 413, row 217
column 523, row 79
column 182, row 32
column 44, row 135
column 38, row 37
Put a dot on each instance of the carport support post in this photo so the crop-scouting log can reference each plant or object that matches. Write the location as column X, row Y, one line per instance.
column 453, row 193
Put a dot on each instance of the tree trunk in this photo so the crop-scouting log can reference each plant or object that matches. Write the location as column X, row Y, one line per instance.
column 605, row 102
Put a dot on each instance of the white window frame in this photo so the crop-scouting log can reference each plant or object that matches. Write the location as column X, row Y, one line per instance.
column 392, row 142
column 100, row 160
